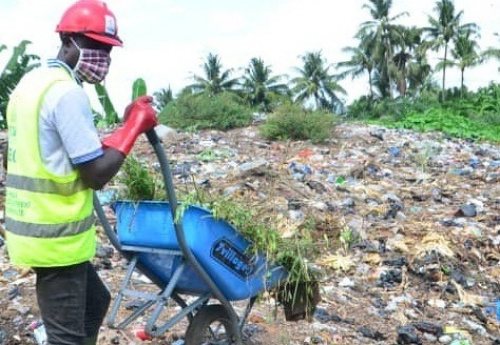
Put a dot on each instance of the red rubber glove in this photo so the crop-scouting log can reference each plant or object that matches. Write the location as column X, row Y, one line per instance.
column 139, row 117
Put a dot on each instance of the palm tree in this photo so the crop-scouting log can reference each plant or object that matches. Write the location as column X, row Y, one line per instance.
column 492, row 52
column 317, row 84
column 465, row 53
column 444, row 29
column 406, row 41
column 215, row 80
column 380, row 31
column 361, row 62
column 162, row 98
column 17, row 66
column 419, row 71
column 259, row 86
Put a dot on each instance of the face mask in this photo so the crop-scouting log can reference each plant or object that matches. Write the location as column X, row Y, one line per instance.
column 93, row 64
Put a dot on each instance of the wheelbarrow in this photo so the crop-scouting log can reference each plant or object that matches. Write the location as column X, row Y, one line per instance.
column 193, row 258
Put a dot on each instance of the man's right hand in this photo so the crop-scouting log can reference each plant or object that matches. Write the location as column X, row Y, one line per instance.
column 139, row 117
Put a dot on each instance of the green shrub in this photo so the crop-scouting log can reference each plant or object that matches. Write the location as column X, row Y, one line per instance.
column 361, row 109
column 366, row 108
column 222, row 111
column 449, row 122
column 290, row 121
column 484, row 105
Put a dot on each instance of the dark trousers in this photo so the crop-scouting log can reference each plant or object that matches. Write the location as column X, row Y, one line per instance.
column 73, row 302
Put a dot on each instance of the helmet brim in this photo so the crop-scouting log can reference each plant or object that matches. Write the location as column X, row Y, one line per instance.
column 104, row 39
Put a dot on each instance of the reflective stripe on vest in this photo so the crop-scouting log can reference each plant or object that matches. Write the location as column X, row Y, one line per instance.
column 48, row 230
column 40, row 185
column 48, row 218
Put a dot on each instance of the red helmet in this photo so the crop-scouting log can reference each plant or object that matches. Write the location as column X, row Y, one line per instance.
column 93, row 19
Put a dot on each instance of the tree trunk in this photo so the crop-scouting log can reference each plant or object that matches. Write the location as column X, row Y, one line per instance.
column 402, row 80
column 444, row 71
column 462, row 83
column 370, row 83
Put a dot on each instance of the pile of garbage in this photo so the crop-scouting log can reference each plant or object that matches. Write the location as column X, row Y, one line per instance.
column 407, row 224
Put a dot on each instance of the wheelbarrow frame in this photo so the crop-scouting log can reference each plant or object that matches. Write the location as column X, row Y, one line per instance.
column 159, row 300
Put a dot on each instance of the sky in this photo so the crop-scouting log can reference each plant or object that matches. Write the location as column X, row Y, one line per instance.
column 167, row 41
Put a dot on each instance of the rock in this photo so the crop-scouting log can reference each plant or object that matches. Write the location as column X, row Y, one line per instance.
column 408, row 335
column 445, row 339
column 468, row 210
column 165, row 132
column 252, row 166
column 371, row 333
column 428, row 327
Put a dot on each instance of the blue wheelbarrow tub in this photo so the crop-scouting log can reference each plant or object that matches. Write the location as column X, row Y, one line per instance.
column 218, row 247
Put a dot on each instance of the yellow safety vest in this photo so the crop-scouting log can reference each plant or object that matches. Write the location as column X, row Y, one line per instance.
column 49, row 219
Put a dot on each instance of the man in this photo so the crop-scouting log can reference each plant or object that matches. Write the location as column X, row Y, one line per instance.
column 55, row 161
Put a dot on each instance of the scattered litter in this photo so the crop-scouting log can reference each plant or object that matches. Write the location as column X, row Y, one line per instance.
column 397, row 216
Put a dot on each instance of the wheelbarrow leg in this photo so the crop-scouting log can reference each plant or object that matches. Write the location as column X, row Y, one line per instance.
column 163, row 298
column 247, row 312
column 123, row 287
column 185, row 312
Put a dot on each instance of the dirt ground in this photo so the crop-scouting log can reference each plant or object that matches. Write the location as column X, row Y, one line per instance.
column 423, row 268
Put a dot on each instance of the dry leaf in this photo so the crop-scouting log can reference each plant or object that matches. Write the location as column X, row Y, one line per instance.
column 468, row 298
column 337, row 262
column 433, row 242
column 400, row 245
column 372, row 258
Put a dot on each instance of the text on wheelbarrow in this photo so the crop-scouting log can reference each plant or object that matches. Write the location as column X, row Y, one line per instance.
column 232, row 258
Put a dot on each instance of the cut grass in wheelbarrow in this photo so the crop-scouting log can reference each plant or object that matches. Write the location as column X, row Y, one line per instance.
column 300, row 294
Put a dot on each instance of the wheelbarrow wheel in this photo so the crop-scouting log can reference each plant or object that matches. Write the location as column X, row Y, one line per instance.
column 211, row 325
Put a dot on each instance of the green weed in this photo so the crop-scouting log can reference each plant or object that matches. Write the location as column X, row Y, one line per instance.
column 141, row 182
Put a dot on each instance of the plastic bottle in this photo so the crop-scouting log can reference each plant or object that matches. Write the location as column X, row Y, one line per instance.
column 493, row 309
column 140, row 332
column 497, row 309
column 40, row 334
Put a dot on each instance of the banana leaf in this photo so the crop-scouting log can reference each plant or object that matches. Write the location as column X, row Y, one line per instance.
column 17, row 66
column 111, row 116
column 139, row 88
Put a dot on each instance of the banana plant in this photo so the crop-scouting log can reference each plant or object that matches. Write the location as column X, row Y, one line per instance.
column 110, row 115
column 17, row 66
column 139, row 88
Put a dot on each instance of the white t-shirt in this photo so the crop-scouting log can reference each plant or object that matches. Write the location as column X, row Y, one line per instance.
column 67, row 132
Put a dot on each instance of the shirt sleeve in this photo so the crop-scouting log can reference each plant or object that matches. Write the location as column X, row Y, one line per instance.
column 74, row 122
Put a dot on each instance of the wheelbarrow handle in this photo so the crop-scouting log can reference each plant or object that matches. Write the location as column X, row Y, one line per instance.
column 155, row 142
column 152, row 137
column 169, row 187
